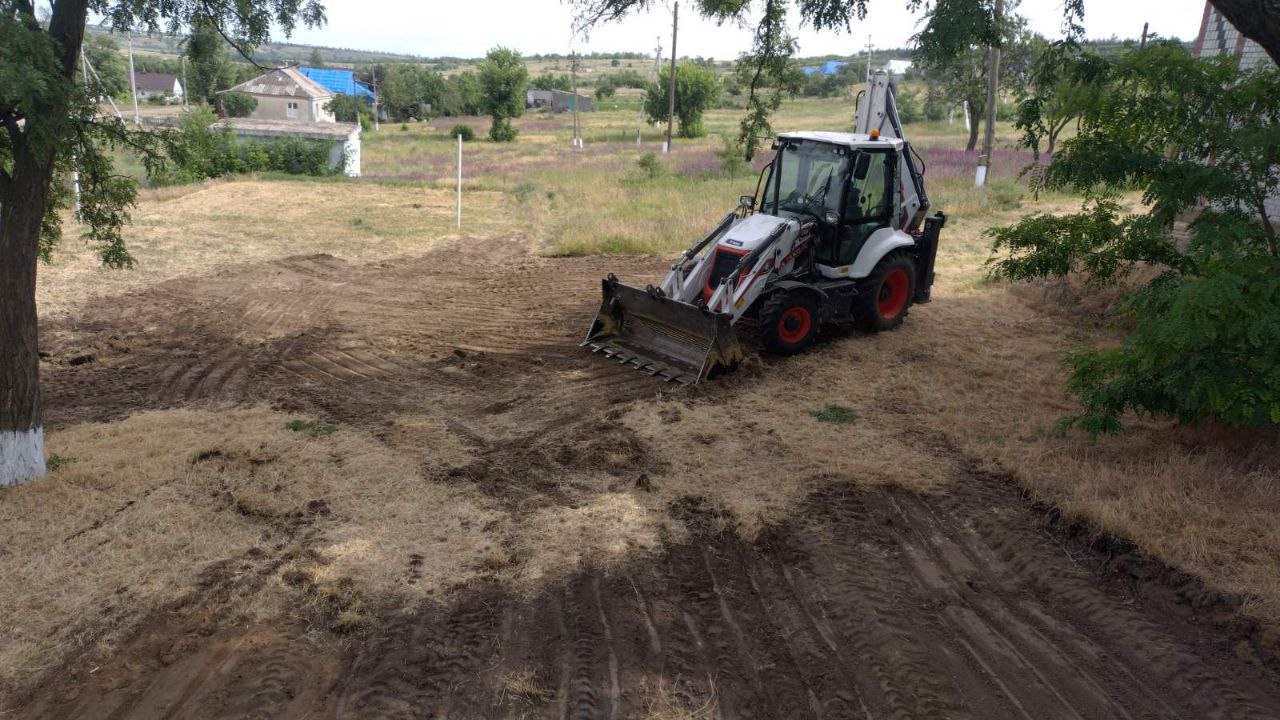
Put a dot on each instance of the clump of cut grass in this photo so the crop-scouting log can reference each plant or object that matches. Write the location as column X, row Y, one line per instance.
column 664, row 705
column 524, row 686
column 314, row 428
column 57, row 461
column 837, row 414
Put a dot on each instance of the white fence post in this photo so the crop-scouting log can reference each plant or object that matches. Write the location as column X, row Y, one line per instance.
column 459, row 181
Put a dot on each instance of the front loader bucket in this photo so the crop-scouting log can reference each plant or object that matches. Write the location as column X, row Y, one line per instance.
column 661, row 336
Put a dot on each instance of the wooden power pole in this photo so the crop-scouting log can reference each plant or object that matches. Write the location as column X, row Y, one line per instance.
column 993, row 80
column 671, row 84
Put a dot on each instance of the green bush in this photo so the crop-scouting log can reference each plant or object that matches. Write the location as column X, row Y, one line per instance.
column 238, row 104
column 463, row 131
column 732, row 158
column 1204, row 335
column 910, row 106
column 502, row 130
column 1202, row 347
column 200, row 150
column 651, row 166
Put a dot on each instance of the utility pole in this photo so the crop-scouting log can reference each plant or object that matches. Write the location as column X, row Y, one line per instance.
column 657, row 63
column 868, row 58
column 1143, row 44
column 133, row 84
column 375, row 97
column 573, row 70
column 993, row 79
column 185, row 106
column 671, row 85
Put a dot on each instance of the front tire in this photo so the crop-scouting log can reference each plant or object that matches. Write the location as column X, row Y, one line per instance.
column 885, row 296
column 788, row 322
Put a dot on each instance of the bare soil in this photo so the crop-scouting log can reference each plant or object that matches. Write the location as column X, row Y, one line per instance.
column 864, row 602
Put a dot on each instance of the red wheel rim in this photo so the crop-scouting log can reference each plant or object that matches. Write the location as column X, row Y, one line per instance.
column 893, row 293
column 794, row 324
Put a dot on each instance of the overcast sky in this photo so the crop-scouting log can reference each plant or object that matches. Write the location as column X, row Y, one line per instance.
column 468, row 29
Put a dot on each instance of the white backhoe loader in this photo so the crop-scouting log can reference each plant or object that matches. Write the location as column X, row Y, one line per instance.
column 836, row 233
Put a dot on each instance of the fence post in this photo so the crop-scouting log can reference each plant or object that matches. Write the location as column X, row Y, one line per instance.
column 459, row 181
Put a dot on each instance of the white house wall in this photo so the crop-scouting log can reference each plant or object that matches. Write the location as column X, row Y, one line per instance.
column 276, row 107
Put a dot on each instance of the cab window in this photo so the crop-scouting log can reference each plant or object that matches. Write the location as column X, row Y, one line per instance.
column 870, row 197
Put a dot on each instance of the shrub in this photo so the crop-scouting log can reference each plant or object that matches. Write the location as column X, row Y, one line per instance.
column 349, row 109
column 1202, row 347
column 651, row 166
column 502, row 130
column 910, row 107
column 238, row 104
column 1204, row 335
column 200, row 150
column 732, row 158
column 463, row 131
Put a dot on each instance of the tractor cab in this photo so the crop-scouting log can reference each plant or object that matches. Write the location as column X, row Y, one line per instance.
column 843, row 183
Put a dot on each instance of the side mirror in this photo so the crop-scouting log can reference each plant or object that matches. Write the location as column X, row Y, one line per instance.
column 861, row 166
column 748, row 202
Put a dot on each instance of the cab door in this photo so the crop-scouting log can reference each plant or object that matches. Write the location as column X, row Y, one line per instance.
column 868, row 203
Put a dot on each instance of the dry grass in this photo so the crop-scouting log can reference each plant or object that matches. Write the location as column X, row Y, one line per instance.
column 196, row 230
column 524, row 687
column 972, row 379
column 150, row 501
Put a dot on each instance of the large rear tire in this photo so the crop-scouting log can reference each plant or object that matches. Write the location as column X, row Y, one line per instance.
column 788, row 322
column 885, row 296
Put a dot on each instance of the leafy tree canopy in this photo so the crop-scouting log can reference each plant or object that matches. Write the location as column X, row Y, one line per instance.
column 767, row 70
column 1198, row 138
column 697, row 89
column 503, row 79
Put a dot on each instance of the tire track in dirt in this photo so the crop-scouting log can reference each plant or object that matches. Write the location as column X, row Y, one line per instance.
column 392, row 330
column 867, row 604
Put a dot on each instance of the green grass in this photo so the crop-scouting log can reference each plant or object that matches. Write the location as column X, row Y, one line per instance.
column 314, row 428
column 56, row 461
column 837, row 414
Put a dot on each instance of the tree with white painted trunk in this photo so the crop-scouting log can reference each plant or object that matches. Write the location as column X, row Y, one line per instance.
column 50, row 128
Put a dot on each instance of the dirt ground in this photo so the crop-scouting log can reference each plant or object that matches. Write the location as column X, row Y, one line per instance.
column 490, row 522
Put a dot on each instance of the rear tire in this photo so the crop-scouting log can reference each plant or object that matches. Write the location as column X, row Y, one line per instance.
column 788, row 322
column 885, row 296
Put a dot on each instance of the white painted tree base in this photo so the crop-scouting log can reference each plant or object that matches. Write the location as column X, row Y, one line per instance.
column 21, row 455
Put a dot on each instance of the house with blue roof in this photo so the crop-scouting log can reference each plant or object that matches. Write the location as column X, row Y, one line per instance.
column 830, row 67
column 338, row 81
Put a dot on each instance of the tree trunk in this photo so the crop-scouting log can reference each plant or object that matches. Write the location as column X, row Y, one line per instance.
column 24, row 198
column 1258, row 20
column 21, row 431
column 975, row 120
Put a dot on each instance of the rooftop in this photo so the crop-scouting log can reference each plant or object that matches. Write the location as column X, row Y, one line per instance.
column 851, row 140
column 280, row 128
column 337, row 80
column 283, row 82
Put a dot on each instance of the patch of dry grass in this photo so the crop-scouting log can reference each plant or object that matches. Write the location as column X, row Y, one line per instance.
column 151, row 501
column 524, row 687
column 195, row 230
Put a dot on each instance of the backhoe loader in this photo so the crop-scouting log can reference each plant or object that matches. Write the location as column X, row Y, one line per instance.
column 837, row 232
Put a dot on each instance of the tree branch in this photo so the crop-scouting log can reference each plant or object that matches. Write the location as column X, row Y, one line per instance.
column 215, row 20
column 1258, row 20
